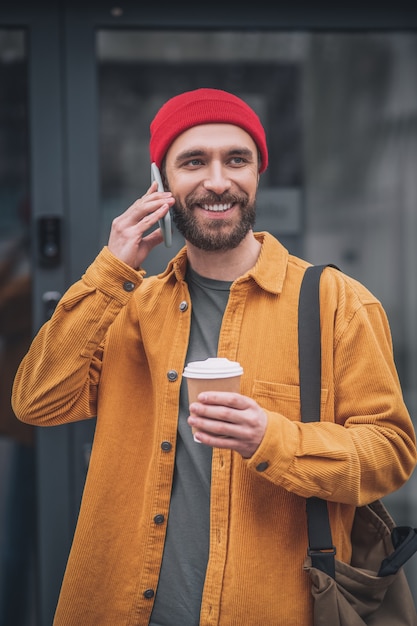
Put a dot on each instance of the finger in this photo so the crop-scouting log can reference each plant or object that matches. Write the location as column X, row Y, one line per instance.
column 214, row 412
column 150, row 219
column 152, row 188
column 211, row 426
column 223, row 398
column 148, row 204
column 215, row 442
column 233, row 441
column 153, row 239
column 146, row 245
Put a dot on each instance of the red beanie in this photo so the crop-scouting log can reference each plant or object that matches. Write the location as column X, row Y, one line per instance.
column 203, row 106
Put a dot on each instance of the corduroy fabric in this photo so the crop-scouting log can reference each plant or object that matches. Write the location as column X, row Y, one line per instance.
column 119, row 354
column 203, row 106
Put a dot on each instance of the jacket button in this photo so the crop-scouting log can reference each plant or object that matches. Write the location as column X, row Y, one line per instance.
column 261, row 467
column 149, row 593
column 172, row 376
column 128, row 286
column 159, row 519
column 184, row 305
column 166, row 446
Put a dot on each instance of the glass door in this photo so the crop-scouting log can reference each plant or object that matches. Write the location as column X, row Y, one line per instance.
column 35, row 524
column 17, row 440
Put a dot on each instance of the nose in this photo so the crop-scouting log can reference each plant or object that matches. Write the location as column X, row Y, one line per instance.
column 217, row 179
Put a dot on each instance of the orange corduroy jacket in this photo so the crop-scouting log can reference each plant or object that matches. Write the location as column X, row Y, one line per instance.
column 115, row 349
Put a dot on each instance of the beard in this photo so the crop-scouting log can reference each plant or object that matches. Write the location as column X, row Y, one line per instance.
column 214, row 234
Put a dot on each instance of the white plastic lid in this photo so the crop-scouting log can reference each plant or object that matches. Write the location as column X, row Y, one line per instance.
column 213, row 368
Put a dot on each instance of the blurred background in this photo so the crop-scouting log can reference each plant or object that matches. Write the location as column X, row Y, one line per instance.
column 336, row 90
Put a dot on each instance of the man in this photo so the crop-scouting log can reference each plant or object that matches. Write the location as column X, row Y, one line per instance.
column 174, row 532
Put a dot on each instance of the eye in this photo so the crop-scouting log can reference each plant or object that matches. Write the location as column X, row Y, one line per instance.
column 238, row 161
column 194, row 162
column 240, row 157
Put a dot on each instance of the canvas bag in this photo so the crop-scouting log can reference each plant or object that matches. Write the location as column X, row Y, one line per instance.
column 373, row 589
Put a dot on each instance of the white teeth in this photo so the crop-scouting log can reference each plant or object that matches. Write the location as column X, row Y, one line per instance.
column 216, row 207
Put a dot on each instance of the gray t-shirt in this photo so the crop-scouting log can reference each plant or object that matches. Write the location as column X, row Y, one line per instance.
column 181, row 581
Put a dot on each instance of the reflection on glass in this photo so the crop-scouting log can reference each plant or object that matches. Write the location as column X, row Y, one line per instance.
column 17, row 469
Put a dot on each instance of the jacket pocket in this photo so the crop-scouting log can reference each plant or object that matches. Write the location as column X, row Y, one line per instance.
column 282, row 398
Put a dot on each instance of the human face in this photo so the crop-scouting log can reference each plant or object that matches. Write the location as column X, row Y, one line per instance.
column 212, row 171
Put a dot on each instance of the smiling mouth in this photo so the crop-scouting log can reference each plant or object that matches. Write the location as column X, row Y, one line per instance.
column 216, row 208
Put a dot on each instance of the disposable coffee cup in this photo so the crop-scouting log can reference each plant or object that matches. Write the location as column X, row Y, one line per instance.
column 213, row 374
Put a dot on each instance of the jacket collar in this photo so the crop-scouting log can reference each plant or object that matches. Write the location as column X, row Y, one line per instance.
column 268, row 272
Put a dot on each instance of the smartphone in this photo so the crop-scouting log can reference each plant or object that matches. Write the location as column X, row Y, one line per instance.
column 165, row 222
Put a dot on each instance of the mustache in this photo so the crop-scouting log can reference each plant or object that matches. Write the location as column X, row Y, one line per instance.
column 214, row 198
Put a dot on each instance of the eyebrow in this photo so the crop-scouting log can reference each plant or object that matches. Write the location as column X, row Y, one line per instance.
column 198, row 152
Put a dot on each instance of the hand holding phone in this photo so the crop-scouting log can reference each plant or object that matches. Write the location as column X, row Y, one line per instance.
column 165, row 222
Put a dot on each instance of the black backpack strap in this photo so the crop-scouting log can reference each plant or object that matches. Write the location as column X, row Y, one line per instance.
column 321, row 548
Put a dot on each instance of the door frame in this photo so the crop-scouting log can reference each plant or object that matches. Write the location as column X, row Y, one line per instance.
column 46, row 172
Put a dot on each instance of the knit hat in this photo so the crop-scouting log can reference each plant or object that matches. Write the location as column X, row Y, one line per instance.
column 203, row 106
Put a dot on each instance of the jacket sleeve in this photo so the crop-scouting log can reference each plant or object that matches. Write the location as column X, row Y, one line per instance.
column 57, row 380
column 364, row 447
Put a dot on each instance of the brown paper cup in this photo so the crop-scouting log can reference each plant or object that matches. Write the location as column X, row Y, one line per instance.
column 197, row 385
column 214, row 374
